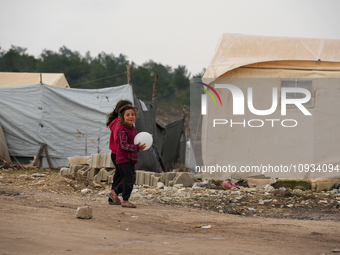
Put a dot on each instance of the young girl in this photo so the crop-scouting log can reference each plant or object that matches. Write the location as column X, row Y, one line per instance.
column 113, row 123
column 127, row 153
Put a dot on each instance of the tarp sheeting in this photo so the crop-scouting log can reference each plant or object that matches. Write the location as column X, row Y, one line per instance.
column 146, row 122
column 3, row 146
column 175, row 143
column 16, row 78
column 70, row 121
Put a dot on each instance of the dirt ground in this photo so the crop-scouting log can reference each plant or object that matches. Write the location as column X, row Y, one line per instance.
column 38, row 217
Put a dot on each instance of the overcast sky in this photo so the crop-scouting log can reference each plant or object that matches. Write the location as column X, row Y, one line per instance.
column 168, row 32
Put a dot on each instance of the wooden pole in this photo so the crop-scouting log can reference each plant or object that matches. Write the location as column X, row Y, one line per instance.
column 48, row 157
column 128, row 72
column 155, row 85
column 35, row 163
column 41, row 79
column 184, row 109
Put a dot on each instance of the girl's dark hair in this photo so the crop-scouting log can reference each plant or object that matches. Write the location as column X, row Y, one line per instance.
column 124, row 109
column 114, row 114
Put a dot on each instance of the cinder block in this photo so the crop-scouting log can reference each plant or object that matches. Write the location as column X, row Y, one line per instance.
column 302, row 184
column 110, row 179
column 83, row 171
column 167, row 177
column 320, row 186
column 155, row 180
column 314, row 181
column 97, row 160
column 83, row 160
column 76, row 168
column 64, row 171
column 140, row 177
column 102, row 175
column 183, row 178
column 92, row 172
column 108, row 161
column 147, row 178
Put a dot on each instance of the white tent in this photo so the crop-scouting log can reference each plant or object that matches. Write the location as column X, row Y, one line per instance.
column 16, row 78
column 263, row 62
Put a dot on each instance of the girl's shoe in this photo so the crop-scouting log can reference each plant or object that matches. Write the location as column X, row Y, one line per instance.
column 128, row 204
column 115, row 199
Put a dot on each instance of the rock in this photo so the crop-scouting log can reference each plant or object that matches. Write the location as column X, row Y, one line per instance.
column 37, row 175
column 160, row 185
column 64, row 171
column 189, row 194
column 178, row 186
column 167, row 199
column 322, row 202
column 85, row 191
column 290, row 205
column 150, row 196
column 268, row 187
column 84, row 212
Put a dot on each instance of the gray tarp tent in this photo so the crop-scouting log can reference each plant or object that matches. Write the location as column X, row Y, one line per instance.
column 71, row 122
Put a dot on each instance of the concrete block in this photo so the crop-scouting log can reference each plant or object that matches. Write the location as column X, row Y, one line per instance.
column 84, row 171
column 155, row 180
column 76, row 168
column 147, row 178
column 108, row 161
column 64, row 171
column 139, row 177
column 314, row 181
column 82, row 160
column 183, row 178
column 97, row 160
column 257, row 183
column 323, row 186
column 102, row 175
column 302, row 184
column 167, row 177
column 92, row 172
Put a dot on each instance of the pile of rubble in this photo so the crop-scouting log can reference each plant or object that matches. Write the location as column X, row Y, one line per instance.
column 262, row 202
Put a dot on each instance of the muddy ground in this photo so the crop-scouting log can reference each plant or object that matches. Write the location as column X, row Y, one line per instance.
column 38, row 206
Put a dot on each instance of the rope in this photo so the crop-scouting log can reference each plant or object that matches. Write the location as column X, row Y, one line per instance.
column 99, row 79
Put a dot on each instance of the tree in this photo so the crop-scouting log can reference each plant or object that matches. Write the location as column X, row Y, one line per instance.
column 16, row 60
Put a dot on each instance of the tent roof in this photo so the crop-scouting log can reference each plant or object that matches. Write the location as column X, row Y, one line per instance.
column 15, row 78
column 237, row 50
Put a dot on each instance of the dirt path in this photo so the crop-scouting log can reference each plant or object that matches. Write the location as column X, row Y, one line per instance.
column 45, row 223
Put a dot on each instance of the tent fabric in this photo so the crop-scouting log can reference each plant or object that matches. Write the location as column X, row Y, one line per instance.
column 174, row 143
column 315, row 140
column 70, row 121
column 237, row 50
column 3, row 146
column 146, row 122
column 16, row 78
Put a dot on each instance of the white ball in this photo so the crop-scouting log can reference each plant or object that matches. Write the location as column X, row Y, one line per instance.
column 144, row 137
